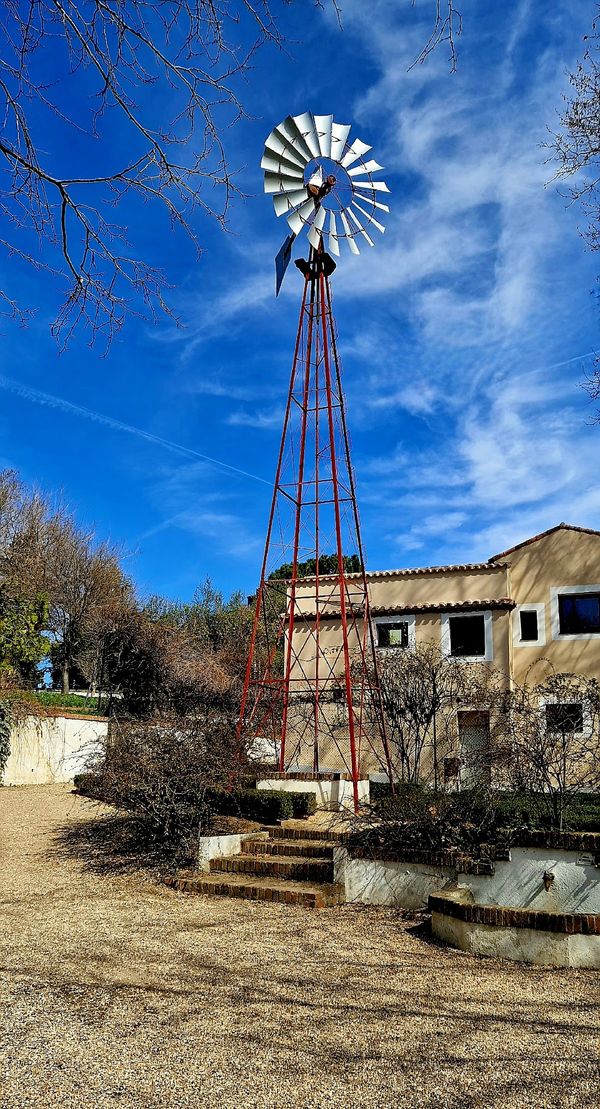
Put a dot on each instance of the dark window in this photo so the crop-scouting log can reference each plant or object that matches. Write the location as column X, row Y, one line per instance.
column 564, row 718
column 467, row 635
column 529, row 626
column 393, row 635
column 579, row 612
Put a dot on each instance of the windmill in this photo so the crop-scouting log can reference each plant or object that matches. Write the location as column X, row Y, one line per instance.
column 311, row 685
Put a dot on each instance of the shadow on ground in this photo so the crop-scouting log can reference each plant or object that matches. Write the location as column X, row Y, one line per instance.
column 115, row 844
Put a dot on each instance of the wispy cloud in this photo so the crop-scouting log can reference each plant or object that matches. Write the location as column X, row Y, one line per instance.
column 261, row 419
column 49, row 400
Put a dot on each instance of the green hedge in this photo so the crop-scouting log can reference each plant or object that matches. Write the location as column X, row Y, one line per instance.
column 89, row 785
column 303, row 804
column 90, row 706
column 266, row 806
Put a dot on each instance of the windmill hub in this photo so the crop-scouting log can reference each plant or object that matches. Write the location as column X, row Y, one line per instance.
column 323, row 182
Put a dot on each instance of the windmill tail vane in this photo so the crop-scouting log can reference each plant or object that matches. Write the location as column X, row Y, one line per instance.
column 311, row 688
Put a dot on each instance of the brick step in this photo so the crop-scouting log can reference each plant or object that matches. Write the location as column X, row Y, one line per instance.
column 305, row 848
column 260, row 889
column 287, row 831
column 276, row 866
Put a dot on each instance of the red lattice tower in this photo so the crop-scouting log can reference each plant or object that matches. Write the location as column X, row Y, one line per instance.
column 311, row 685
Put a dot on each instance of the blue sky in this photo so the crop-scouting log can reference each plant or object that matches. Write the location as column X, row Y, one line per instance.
column 464, row 333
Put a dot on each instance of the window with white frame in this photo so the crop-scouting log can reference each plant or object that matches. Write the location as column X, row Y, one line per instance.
column 575, row 612
column 529, row 625
column 393, row 633
column 564, row 717
column 467, row 636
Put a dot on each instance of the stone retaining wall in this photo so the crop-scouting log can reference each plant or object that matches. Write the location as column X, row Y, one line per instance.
column 521, row 935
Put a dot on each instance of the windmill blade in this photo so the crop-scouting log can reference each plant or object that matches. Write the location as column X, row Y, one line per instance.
column 290, row 131
column 360, row 227
column 365, row 167
column 355, row 151
column 323, row 125
column 379, row 186
column 370, row 217
column 286, row 202
column 298, row 219
column 306, row 126
column 339, row 134
column 334, row 246
column 276, row 144
column 369, row 200
column 314, row 235
column 277, row 162
column 349, row 234
column 281, row 182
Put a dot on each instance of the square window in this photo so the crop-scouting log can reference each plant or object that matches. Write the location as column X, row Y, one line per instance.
column 529, row 625
column 393, row 634
column 467, row 636
column 564, row 717
column 578, row 613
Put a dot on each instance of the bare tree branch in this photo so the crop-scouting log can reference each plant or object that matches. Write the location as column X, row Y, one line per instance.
column 162, row 74
column 447, row 27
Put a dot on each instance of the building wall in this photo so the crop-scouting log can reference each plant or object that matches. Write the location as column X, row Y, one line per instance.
column 528, row 576
column 563, row 558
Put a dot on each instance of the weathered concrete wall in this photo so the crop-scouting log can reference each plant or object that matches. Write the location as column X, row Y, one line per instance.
column 523, row 945
column 517, row 883
column 223, row 847
column 51, row 749
column 383, row 882
column 330, row 795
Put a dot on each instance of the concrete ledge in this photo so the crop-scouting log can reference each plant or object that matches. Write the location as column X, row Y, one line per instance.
column 587, row 924
column 403, row 884
column 222, row 847
column 330, row 793
column 453, row 859
column 521, row 935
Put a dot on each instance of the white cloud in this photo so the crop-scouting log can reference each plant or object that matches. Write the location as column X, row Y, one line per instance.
column 261, row 419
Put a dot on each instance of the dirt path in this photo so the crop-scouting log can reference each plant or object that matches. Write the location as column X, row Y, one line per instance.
column 115, row 991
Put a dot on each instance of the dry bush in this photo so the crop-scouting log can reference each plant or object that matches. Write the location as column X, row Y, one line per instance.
column 163, row 772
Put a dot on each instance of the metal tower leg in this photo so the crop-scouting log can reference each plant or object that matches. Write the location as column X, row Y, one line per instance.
column 308, row 687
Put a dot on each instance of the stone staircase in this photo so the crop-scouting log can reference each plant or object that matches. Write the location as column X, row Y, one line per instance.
column 293, row 865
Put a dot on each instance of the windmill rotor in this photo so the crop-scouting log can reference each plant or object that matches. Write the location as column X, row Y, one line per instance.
column 323, row 183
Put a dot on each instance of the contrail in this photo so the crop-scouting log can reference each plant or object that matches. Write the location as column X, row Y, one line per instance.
column 51, row 401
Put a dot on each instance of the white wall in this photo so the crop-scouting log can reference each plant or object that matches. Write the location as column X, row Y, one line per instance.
column 523, row 945
column 50, row 749
column 517, row 884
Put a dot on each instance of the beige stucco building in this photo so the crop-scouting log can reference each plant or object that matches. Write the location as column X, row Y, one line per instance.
column 535, row 603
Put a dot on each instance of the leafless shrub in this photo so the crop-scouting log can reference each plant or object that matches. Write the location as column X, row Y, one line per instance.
column 162, row 772
column 554, row 734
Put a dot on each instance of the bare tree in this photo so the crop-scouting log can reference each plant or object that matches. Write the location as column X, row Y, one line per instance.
column 554, row 731
column 421, row 691
column 164, row 73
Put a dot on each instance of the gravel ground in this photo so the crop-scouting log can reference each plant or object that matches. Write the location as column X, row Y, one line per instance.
column 116, row 991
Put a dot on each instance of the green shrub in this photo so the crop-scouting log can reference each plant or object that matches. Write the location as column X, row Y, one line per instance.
column 532, row 810
column 303, row 804
column 90, row 706
column 266, row 806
